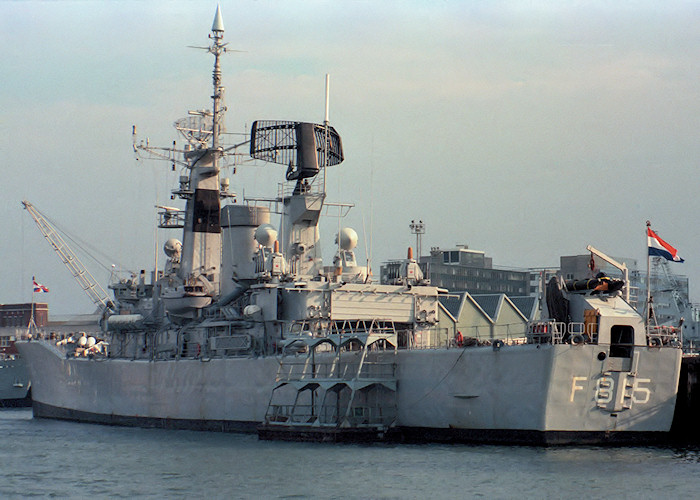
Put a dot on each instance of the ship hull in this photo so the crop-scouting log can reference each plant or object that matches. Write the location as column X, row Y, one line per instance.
column 552, row 394
column 14, row 384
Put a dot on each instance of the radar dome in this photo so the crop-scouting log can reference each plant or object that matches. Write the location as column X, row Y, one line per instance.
column 348, row 238
column 266, row 235
column 172, row 247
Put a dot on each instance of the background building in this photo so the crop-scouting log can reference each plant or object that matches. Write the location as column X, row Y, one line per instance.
column 464, row 269
column 489, row 316
column 14, row 322
column 461, row 269
column 19, row 315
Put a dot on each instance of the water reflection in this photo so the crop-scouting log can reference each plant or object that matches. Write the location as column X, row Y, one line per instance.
column 688, row 455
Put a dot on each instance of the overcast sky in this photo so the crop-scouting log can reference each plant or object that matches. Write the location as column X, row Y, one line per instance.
column 527, row 130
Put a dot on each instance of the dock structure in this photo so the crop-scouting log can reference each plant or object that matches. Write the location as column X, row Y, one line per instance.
column 685, row 428
column 339, row 387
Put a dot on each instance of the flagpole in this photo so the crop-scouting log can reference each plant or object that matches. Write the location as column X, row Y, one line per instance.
column 648, row 308
column 31, row 313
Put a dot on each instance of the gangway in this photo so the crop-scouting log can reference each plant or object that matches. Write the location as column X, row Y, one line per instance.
column 344, row 389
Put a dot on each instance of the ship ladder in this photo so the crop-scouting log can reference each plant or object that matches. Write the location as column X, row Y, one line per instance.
column 349, row 397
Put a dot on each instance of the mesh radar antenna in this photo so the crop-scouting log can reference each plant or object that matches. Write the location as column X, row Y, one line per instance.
column 306, row 148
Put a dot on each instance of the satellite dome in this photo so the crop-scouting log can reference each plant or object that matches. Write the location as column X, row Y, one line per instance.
column 348, row 238
column 172, row 247
column 266, row 235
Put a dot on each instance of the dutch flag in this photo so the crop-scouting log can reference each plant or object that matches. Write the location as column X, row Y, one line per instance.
column 659, row 248
column 39, row 288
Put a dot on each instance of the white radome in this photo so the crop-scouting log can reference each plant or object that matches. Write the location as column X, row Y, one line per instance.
column 348, row 238
column 172, row 247
column 266, row 235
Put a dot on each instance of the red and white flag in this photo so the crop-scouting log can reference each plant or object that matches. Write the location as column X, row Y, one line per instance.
column 38, row 287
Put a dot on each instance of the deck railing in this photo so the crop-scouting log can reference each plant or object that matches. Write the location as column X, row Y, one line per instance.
column 557, row 332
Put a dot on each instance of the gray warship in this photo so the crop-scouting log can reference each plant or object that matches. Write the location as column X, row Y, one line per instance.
column 245, row 328
column 15, row 387
column 14, row 375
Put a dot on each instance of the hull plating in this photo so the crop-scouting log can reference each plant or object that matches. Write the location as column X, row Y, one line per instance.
column 545, row 395
column 14, row 383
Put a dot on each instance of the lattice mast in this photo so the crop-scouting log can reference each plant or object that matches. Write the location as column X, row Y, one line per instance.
column 193, row 272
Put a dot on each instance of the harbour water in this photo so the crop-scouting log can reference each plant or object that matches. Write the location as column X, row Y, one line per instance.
column 52, row 458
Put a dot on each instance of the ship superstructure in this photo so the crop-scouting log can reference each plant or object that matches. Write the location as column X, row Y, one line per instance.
column 245, row 328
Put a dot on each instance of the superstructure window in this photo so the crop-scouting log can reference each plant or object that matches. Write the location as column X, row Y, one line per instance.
column 206, row 211
column 621, row 341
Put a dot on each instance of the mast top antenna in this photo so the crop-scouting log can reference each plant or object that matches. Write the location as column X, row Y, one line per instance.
column 218, row 25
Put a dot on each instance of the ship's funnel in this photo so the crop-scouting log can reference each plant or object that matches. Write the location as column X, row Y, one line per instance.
column 239, row 246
